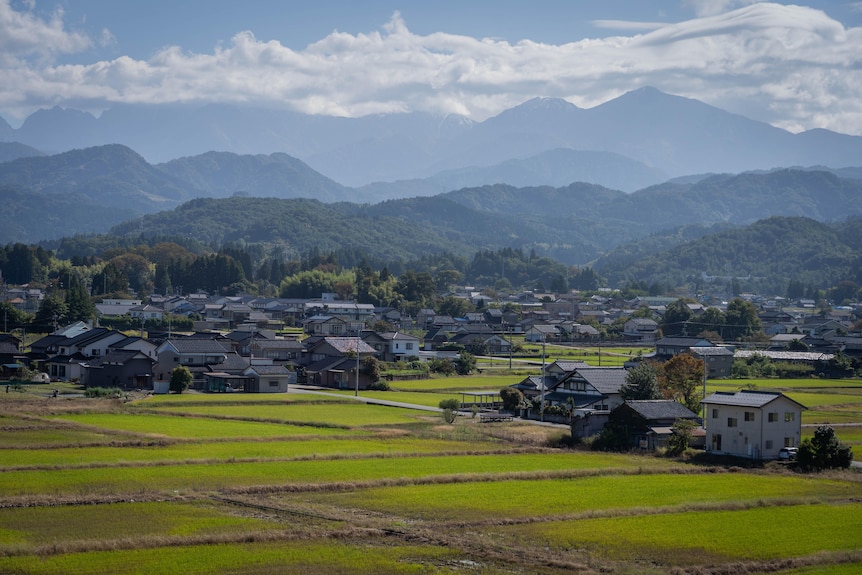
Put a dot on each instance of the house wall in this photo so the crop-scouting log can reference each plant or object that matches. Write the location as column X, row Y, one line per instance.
column 757, row 437
column 125, row 375
column 268, row 384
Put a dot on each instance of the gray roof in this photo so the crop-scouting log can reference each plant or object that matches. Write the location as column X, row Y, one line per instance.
column 653, row 409
column 199, row 345
column 746, row 398
column 715, row 351
column 606, row 380
column 269, row 369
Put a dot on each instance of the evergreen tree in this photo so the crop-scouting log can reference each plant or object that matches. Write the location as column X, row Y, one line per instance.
column 79, row 305
column 641, row 383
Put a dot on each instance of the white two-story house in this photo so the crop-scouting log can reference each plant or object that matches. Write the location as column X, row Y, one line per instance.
column 755, row 424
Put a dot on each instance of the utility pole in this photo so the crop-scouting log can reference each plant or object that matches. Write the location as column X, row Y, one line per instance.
column 542, row 379
column 357, row 363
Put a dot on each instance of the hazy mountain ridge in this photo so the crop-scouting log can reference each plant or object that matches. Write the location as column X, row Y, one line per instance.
column 223, row 174
column 13, row 150
column 557, row 167
column 669, row 133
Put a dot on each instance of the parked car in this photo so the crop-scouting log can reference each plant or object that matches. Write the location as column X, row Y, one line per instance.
column 788, row 453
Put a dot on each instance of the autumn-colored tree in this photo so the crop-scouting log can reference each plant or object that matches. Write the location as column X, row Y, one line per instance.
column 680, row 378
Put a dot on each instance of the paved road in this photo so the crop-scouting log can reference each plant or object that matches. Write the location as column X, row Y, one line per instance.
column 319, row 391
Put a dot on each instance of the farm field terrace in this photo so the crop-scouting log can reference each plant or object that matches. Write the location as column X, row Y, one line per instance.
column 216, row 483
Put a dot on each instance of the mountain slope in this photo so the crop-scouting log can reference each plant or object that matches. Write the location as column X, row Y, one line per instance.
column 112, row 175
column 764, row 255
column 13, row 150
column 222, row 174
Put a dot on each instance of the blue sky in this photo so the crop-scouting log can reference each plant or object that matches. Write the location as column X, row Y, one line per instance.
column 797, row 67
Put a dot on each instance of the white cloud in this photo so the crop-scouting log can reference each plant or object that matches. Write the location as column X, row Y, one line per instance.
column 792, row 66
column 23, row 33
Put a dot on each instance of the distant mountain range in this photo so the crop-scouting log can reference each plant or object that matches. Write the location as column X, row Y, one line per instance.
column 575, row 223
column 659, row 135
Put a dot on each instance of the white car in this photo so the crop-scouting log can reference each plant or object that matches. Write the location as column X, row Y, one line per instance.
column 788, row 453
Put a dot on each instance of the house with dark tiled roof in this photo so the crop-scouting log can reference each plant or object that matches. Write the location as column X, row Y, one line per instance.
column 718, row 360
column 198, row 354
column 126, row 369
column 278, row 350
column 640, row 330
column 649, row 422
column 326, row 325
column 265, row 378
column 667, row 347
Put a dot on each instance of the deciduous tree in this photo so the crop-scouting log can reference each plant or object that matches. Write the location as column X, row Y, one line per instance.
column 680, row 378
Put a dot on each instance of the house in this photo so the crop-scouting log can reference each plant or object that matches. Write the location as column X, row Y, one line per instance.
column 640, row 330
column 128, row 369
column 648, row 422
column 541, row 332
column 667, row 347
column 197, row 353
column 268, row 378
column 326, row 325
column 754, row 424
column 718, row 360
column 278, row 350
column 392, row 345
column 66, row 367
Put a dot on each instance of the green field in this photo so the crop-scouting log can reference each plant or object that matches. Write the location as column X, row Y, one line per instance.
column 305, row 483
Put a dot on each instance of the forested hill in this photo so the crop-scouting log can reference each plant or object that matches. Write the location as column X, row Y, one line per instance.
column 726, row 198
column 765, row 256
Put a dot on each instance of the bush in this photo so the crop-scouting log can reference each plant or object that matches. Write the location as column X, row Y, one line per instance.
column 181, row 379
column 448, row 416
column 379, row 385
column 823, row 451
column 450, row 403
column 512, row 398
column 442, row 366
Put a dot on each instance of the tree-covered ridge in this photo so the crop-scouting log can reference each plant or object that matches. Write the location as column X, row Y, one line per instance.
column 106, row 174
column 762, row 257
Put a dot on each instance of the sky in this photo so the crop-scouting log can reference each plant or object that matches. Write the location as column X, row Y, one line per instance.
column 797, row 67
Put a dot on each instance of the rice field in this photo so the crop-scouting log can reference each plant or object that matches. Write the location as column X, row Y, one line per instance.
column 350, row 414
column 304, row 483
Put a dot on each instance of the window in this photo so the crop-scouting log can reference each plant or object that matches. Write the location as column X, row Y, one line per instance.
column 731, row 422
column 273, row 383
column 788, row 417
column 409, row 345
column 789, row 442
column 749, row 416
column 773, row 416
column 768, row 444
column 715, row 413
